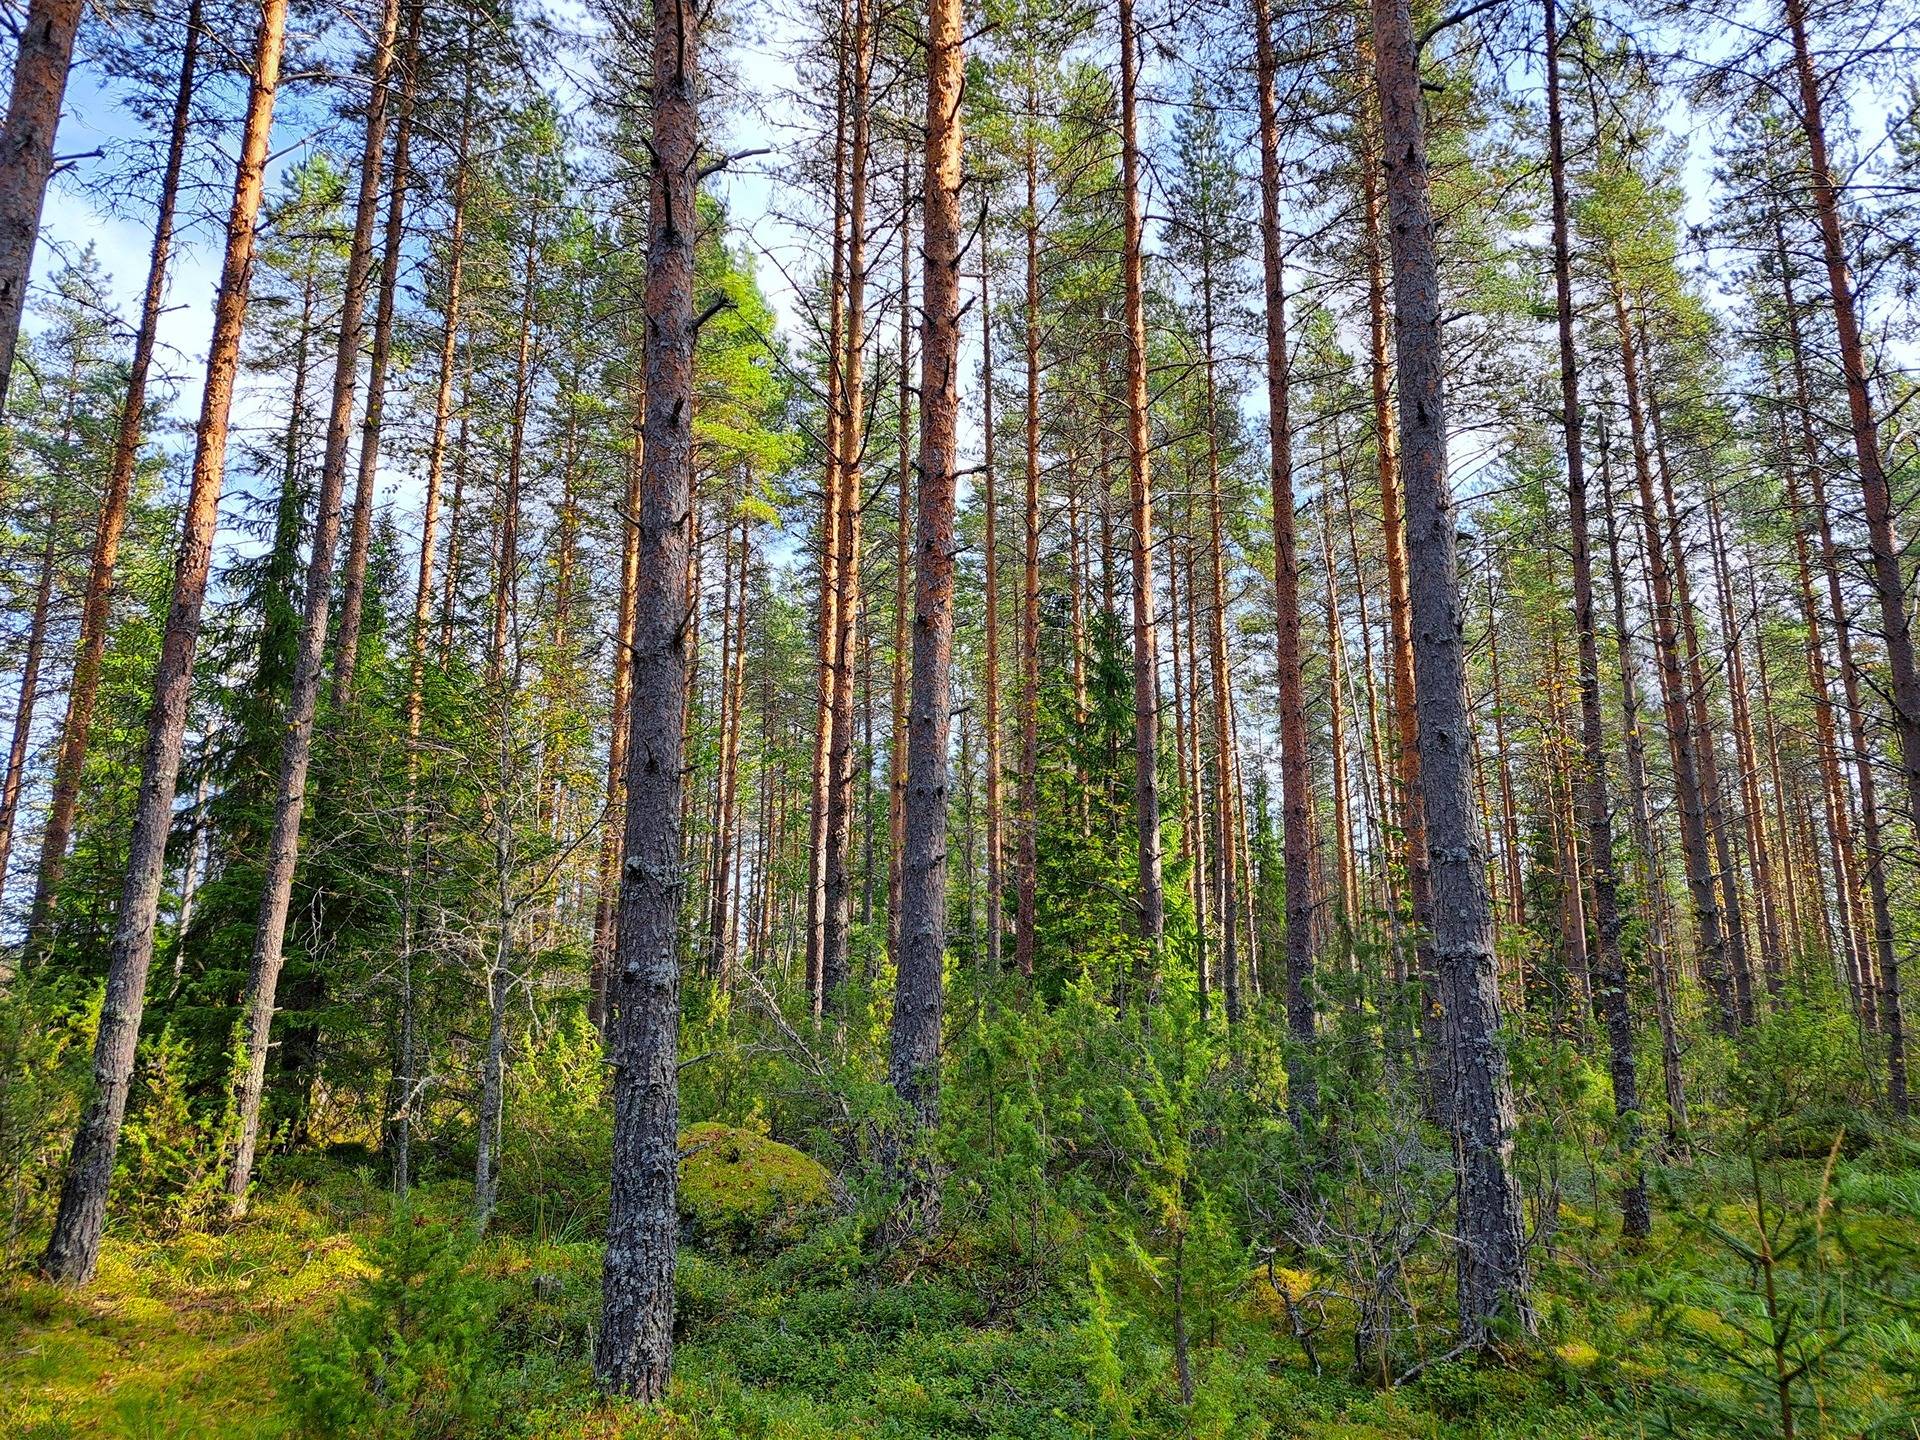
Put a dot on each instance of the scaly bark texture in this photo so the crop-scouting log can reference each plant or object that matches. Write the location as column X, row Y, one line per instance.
column 283, row 847
column 1151, row 897
column 353, row 585
column 850, row 434
column 1883, row 543
column 73, row 1248
column 1296, row 774
column 96, row 611
column 913, row 1061
column 26, row 156
column 1493, row 1263
column 1609, row 970
column 635, row 1347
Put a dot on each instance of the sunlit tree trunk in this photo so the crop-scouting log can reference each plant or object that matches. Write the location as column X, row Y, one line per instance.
column 634, row 1350
column 913, row 1063
column 346, row 655
column 1493, row 1264
column 26, row 156
column 902, row 568
column 73, row 1248
column 1151, row 899
column 850, row 432
column 96, row 613
column 283, row 848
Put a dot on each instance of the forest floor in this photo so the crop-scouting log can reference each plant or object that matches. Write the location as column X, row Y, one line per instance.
column 265, row 1329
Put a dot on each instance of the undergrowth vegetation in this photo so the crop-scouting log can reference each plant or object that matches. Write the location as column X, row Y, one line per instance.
column 1137, row 1243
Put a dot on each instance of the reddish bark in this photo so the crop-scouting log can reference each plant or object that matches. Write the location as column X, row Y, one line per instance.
column 73, row 1248
column 913, row 1064
column 283, row 846
column 634, row 1351
column 96, row 613
column 1877, row 498
column 1146, row 658
column 1493, row 1265
column 26, row 156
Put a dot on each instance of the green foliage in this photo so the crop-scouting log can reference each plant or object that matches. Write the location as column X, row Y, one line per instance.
column 1798, row 1321
column 174, row 1153
column 44, row 1030
column 408, row 1356
column 557, row 1150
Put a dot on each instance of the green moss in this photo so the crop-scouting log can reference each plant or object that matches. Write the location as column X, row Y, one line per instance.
column 741, row 1189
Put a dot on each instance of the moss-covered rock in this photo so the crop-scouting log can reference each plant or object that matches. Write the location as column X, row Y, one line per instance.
column 743, row 1190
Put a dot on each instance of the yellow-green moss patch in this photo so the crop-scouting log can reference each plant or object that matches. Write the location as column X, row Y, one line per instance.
column 737, row 1187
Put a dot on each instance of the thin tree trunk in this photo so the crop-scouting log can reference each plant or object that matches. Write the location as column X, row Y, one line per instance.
column 1296, row 764
column 831, row 510
column 902, row 568
column 1493, row 1263
column 1509, row 819
column 1835, row 794
column 346, row 655
column 1343, row 826
column 1680, row 731
column 73, row 1248
column 990, row 562
column 1652, row 885
column 29, row 692
column 283, row 848
column 96, row 613
column 1706, row 749
column 1026, row 881
column 1745, row 752
column 913, row 1063
column 1146, row 688
column 634, row 1351
column 1609, row 966
column 26, row 156
column 1877, row 498
column 850, row 361
column 399, row 1126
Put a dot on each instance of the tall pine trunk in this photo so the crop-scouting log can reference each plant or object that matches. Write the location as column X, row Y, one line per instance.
column 1883, row 544
column 1609, row 969
column 902, row 566
column 850, row 433
column 26, row 156
column 1027, row 863
column 1680, row 730
column 283, row 848
column 635, row 1347
column 353, row 584
column 73, row 1248
column 96, row 612
column 913, row 1061
column 1151, row 897
column 1296, row 773
column 1493, row 1263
